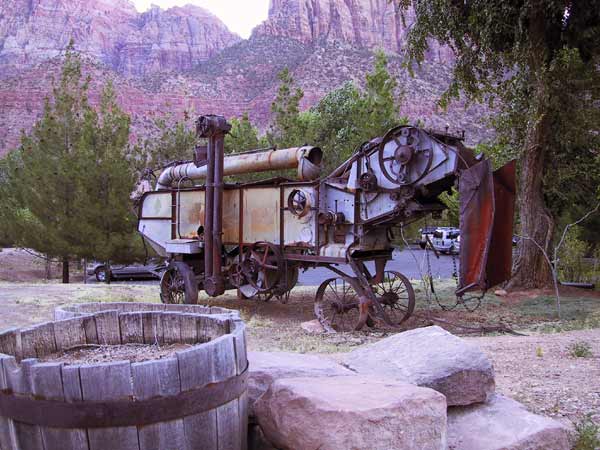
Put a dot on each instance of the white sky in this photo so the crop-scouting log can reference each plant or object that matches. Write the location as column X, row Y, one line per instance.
column 240, row 16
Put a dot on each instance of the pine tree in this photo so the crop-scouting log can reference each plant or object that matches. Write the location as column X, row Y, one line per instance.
column 288, row 128
column 47, row 170
column 243, row 136
column 380, row 103
column 107, row 221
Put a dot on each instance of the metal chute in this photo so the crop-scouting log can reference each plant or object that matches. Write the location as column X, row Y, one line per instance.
column 486, row 224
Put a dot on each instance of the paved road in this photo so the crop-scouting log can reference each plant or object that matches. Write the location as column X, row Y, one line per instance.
column 408, row 262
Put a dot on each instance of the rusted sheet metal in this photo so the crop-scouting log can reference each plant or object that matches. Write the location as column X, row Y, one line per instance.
column 499, row 261
column 486, row 219
column 476, row 192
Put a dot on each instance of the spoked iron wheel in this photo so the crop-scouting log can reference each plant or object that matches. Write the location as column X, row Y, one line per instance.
column 262, row 265
column 396, row 295
column 337, row 305
column 172, row 287
column 178, row 284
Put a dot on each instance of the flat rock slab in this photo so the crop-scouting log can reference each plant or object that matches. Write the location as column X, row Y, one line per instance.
column 266, row 367
column 429, row 357
column 503, row 424
column 351, row 412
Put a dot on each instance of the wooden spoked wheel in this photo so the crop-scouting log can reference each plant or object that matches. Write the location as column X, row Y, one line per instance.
column 262, row 265
column 172, row 286
column 337, row 305
column 396, row 295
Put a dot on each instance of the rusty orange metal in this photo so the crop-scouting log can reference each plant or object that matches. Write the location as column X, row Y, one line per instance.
column 499, row 260
column 486, row 212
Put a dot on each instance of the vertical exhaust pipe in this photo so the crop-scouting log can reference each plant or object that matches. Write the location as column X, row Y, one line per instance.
column 214, row 128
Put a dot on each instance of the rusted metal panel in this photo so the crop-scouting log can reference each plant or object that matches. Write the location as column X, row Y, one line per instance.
column 231, row 216
column 261, row 215
column 499, row 261
column 476, row 191
column 190, row 208
column 487, row 202
column 156, row 204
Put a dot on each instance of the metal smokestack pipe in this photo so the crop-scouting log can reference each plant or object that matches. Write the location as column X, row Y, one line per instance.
column 219, row 285
column 307, row 160
column 214, row 128
column 209, row 211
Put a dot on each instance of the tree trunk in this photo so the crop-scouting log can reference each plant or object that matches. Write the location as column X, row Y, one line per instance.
column 48, row 267
column 107, row 265
column 531, row 269
column 65, row 270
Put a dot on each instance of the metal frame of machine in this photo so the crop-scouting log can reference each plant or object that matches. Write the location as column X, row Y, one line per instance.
column 256, row 236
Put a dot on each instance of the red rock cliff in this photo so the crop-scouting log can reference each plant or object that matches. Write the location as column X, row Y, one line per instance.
column 111, row 31
column 362, row 23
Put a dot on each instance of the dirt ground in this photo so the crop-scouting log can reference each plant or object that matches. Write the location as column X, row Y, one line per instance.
column 23, row 265
column 537, row 369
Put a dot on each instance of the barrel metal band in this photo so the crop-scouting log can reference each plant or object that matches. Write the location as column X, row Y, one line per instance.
column 120, row 413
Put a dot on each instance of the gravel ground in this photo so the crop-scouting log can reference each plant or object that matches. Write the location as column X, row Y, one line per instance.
column 540, row 372
column 94, row 354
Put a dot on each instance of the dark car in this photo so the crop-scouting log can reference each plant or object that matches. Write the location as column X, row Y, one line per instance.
column 153, row 269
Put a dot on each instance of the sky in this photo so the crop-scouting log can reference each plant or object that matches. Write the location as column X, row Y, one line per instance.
column 240, row 16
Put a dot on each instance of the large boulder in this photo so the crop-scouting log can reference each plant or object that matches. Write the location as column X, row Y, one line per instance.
column 503, row 423
column 266, row 367
column 356, row 412
column 429, row 357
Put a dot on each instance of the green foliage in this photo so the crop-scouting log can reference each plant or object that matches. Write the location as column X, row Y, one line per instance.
column 452, row 212
column 171, row 141
column 48, row 169
column 571, row 264
column 66, row 189
column 243, row 136
column 580, row 349
column 105, row 207
column 343, row 119
column 288, row 128
column 380, row 102
column 587, row 434
column 537, row 61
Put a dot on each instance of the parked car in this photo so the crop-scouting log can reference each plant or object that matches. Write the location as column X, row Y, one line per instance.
column 427, row 231
column 152, row 269
column 446, row 240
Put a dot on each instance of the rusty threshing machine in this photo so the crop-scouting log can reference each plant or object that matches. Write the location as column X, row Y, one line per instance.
column 256, row 236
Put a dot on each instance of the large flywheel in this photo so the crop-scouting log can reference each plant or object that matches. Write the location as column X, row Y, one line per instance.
column 259, row 272
column 402, row 158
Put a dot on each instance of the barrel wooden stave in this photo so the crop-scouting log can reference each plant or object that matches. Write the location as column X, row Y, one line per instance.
column 222, row 357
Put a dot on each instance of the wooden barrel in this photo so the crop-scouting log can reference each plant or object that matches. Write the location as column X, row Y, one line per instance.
column 194, row 398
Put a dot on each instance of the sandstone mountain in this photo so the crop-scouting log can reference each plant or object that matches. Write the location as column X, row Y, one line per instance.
column 185, row 59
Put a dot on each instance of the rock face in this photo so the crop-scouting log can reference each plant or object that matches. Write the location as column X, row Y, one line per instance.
column 268, row 367
column 503, row 424
column 364, row 23
column 111, row 31
column 359, row 412
column 165, row 63
column 429, row 357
